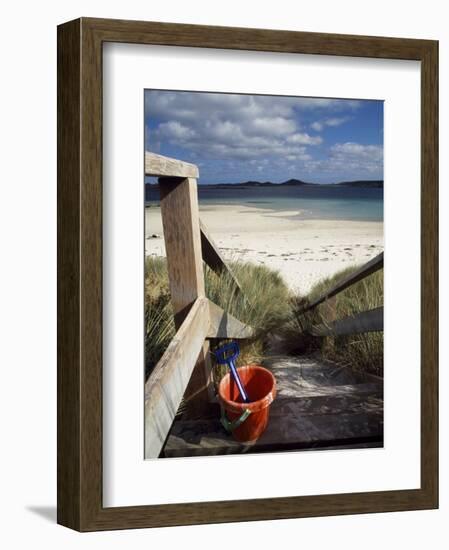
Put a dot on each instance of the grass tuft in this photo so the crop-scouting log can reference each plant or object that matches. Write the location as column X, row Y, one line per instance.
column 362, row 352
column 269, row 307
column 263, row 307
column 262, row 304
column 159, row 324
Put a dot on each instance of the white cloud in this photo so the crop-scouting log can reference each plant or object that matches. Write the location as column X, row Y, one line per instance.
column 188, row 105
column 275, row 126
column 258, row 132
column 350, row 150
column 222, row 126
column 175, row 130
column 304, row 139
column 350, row 157
column 333, row 121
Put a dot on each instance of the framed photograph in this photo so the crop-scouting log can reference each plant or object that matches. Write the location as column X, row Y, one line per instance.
column 247, row 274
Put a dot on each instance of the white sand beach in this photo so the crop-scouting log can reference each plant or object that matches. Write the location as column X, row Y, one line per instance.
column 304, row 251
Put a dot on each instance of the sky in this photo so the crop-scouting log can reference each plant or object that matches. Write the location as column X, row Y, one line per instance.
column 234, row 138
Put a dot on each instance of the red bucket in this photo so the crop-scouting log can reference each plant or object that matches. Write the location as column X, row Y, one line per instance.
column 247, row 421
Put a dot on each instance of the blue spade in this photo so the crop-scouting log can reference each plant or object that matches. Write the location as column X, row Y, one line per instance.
column 226, row 355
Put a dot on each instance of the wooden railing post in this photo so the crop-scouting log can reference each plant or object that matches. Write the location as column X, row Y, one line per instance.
column 180, row 219
column 166, row 386
column 179, row 209
column 176, row 375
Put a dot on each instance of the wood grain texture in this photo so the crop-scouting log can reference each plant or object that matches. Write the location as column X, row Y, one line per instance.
column 224, row 325
column 213, row 258
column 168, row 381
column 179, row 210
column 371, row 320
column 69, row 425
column 318, row 404
column 173, row 34
column 80, row 273
column 91, row 288
column 429, row 272
column 285, row 433
column 158, row 165
column 200, row 389
column 180, row 219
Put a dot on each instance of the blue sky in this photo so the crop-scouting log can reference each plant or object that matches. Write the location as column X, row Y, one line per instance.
column 234, row 137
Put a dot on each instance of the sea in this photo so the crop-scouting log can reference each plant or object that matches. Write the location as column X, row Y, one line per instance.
column 310, row 201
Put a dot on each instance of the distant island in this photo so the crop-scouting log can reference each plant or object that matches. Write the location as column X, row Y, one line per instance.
column 373, row 184
column 245, row 184
column 365, row 184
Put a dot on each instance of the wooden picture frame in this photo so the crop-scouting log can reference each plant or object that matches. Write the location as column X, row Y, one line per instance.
column 80, row 351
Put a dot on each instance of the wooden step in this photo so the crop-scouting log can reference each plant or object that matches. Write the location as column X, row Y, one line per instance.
column 318, row 406
column 310, row 381
column 292, row 388
column 309, row 405
column 323, row 405
column 284, row 432
column 323, row 372
column 295, row 424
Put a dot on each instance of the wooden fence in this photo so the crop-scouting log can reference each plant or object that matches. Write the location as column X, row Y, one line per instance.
column 371, row 320
column 185, row 369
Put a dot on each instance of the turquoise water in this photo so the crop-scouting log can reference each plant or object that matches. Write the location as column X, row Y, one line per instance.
column 313, row 201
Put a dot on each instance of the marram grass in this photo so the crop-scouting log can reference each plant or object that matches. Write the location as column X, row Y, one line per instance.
column 363, row 352
column 263, row 306
column 270, row 308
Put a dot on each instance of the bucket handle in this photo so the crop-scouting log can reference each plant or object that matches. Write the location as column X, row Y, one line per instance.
column 231, row 426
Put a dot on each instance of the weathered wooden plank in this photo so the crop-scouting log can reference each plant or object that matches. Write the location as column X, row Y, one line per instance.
column 290, row 431
column 299, row 380
column 200, row 390
column 302, row 390
column 345, row 403
column 365, row 270
column 160, row 166
column 213, row 258
column 167, row 383
column 180, row 219
column 315, row 379
column 224, row 325
column 371, row 320
column 317, row 405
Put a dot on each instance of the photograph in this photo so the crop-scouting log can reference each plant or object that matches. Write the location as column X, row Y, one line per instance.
column 225, row 199
column 283, row 206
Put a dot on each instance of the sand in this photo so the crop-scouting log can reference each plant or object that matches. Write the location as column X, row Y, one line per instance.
column 303, row 251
